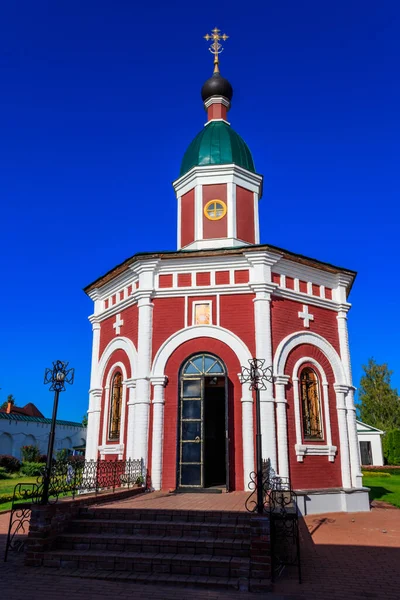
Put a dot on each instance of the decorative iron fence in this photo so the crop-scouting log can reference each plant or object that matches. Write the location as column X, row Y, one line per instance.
column 280, row 504
column 69, row 478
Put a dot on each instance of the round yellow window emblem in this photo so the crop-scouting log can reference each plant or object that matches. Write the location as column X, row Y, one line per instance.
column 215, row 210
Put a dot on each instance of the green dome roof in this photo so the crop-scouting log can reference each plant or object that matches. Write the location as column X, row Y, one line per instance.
column 217, row 144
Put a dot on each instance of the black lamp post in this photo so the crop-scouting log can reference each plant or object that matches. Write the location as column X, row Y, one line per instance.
column 58, row 376
column 258, row 376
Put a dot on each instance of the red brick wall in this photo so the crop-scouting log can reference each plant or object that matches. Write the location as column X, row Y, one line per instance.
column 187, row 218
column 203, row 278
column 245, row 215
column 237, row 315
column 184, row 279
column 285, row 320
column 171, row 409
column 168, row 317
column 222, row 277
column 129, row 329
column 165, row 281
column 214, row 229
column 316, row 472
column 241, row 276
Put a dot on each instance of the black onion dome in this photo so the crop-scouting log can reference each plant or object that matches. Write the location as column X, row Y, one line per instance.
column 217, row 86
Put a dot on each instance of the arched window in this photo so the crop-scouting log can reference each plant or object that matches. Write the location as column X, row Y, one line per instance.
column 115, row 407
column 310, row 404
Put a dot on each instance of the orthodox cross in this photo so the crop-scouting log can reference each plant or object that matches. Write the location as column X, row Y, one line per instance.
column 118, row 324
column 216, row 48
column 306, row 316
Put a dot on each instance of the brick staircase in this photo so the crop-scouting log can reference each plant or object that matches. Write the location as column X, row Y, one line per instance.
column 190, row 548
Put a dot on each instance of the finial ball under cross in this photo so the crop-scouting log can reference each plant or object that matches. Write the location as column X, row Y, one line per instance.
column 216, row 48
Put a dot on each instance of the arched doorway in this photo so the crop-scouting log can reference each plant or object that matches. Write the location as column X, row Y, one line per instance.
column 203, row 424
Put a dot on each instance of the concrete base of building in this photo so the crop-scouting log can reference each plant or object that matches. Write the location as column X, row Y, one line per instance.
column 314, row 502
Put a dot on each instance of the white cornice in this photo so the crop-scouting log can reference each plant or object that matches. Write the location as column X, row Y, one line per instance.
column 217, row 100
column 209, row 174
column 210, row 244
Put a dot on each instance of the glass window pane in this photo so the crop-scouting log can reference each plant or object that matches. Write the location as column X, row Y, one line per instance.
column 191, row 452
column 216, row 368
column 191, row 369
column 191, row 430
column 198, row 362
column 208, row 362
column 191, row 409
column 191, row 475
column 192, row 388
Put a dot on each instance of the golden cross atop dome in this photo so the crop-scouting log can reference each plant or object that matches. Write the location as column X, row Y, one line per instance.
column 216, row 48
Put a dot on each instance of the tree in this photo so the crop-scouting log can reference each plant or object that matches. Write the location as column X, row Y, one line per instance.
column 379, row 403
column 10, row 398
column 84, row 420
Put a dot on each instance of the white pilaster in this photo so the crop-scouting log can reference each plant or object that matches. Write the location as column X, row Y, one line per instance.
column 141, row 410
column 343, row 434
column 260, row 282
column 158, row 384
column 356, row 475
column 262, row 321
column 131, row 386
column 198, row 212
column 231, row 212
column 93, row 428
column 247, row 434
column 281, row 418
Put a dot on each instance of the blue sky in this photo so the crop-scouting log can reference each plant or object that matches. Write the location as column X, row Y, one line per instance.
column 98, row 103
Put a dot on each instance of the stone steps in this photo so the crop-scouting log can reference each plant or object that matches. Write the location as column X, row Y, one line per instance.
column 154, row 544
column 188, row 581
column 189, row 548
column 139, row 562
column 148, row 527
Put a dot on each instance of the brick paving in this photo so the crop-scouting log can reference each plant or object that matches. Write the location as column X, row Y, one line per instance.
column 343, row 556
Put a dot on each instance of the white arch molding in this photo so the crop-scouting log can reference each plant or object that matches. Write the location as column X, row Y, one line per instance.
column 313, row 339
column 116, row 448
column 93, row 429
column 118, row 343
column 243, row 355
column 197, row 331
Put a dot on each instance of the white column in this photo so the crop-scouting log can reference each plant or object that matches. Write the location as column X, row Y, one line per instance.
column 355, row 462
column 247, row 434
column 343, row 435
column 142, row 397
column 158, row 431
column 262, row 322
column 281, row 418
column 93, row 427
column 131, row 385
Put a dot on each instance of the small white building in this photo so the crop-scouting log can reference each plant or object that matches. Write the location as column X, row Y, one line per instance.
column 370, row 442
column 17, row 430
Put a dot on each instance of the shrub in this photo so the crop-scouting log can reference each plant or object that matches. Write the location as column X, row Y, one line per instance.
column 10, row 463
column 76, row 460
column 30, row 453
column 32, row 469
column 42, row 458
column 62, row 454
column 4, row 474
column 391, row 447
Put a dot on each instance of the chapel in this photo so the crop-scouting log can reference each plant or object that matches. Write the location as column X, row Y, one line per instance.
column 173, row 330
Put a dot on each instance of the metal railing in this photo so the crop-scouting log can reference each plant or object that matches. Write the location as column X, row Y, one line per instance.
column 68, row 478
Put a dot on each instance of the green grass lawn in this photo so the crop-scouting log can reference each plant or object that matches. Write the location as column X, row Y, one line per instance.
column 383, row 488
column 7, row 488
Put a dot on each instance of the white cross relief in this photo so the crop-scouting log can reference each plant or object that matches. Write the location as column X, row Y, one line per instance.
column 118, row 324
column 306, row 316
